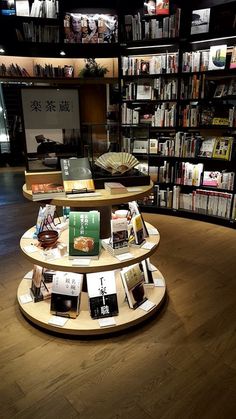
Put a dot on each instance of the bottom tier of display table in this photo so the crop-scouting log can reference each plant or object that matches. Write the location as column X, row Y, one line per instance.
column 39, row 313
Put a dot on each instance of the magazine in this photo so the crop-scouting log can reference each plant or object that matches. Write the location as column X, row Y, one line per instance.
column 217, row 57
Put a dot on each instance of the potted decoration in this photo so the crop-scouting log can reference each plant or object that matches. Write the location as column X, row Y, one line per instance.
column 93, row 69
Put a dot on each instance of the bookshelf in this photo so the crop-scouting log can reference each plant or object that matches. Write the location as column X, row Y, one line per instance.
column 186, row 102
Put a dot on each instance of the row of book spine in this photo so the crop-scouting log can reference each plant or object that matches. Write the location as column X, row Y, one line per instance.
column 201, row 201
column 188, row 174
column 137, row 29
column 156, row 64
column 38, row 33
column 161, row 89
column 48, row 70
column 13, row 70
column 164, row 115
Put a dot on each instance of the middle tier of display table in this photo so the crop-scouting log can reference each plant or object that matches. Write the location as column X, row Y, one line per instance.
column 105, row 262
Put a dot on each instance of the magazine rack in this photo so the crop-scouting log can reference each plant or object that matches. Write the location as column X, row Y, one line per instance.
column 39, row 313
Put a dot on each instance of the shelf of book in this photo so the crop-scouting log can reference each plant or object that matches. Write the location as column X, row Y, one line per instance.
column 39, row 313
column 105, row 262
column 103, row 199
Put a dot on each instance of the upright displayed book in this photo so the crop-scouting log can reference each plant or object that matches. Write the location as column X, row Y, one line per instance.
column 138, row 230
column 102, row 294
column 84, row 234
column 217, row 57
column 223, row 148
column 233, row 58
column 200, row 21
column 66, row 292
column 41, row 191
column 77, row 175
column 207, row 146
column 39, row 290
column 119, row 233
column 133, row 282
column 8, row 8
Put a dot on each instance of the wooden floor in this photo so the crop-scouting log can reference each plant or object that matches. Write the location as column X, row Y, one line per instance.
column 181, row 365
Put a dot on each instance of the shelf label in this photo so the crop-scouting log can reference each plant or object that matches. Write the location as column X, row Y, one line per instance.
column 147, row 305
column 107, row 321
column 57, row 321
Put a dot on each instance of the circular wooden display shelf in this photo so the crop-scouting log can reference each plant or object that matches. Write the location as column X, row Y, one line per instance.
column 106, row 199
column 39, row 313
column 106, row 261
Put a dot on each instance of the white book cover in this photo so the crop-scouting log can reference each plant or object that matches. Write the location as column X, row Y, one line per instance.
column 67, row 283
column 102, row 294
column 144, row 92
column 22, row 8
column 217, row 58
column 200, row 21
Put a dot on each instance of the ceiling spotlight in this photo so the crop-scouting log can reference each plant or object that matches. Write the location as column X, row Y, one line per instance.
column 62, row 53
column 2, row 51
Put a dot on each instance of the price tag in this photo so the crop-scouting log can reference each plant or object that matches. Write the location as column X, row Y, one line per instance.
column 124, row 256
column 57, row 321
column 153, row 232
column 81, row 262
column 30, row 248
column 26, row 298
column 107, row 321
column 28, row 235
column 159, row 282
column 148, row 246
column 147, row 305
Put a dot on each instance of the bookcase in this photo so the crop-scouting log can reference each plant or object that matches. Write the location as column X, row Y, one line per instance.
column 176, row 99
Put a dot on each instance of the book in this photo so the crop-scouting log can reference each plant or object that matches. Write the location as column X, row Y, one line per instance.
column 39, row 290
column 150, row 7
column 211, row 178
column 77, row 175
column 217, row 57
column 22, row 8
column 207, row 146
column 138, row 230
column 220, row 90
column 84, row 234
column 133, row 283
column 119, row 233
column 66, row 293
column 102, row 294
column 115, row 188
column 233, row 58
column 41, row 191
column 200, row 21
column 162, row 7
column 223, row 148
column 144, row 92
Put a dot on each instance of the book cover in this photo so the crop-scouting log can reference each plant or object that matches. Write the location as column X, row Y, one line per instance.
column 200, row 21
column 115, row 188
column 232, row 88
column 217, row 57
column 47, row 191
column 144, row 92
column 133, row 282
column 119, row 233
column 138, row 230
column 84, row 233
column 233, row 58
column 220, row 90
column 162, row 7
column 77, row 175
column 102, row 294
column 153, row 146
column 149, row 7
column 66, row 292
column 212, row 178
column 222, row 148
column 207, row 146
column 39, row 289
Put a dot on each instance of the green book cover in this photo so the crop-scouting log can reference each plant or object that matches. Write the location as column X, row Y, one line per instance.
column 84, row 233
